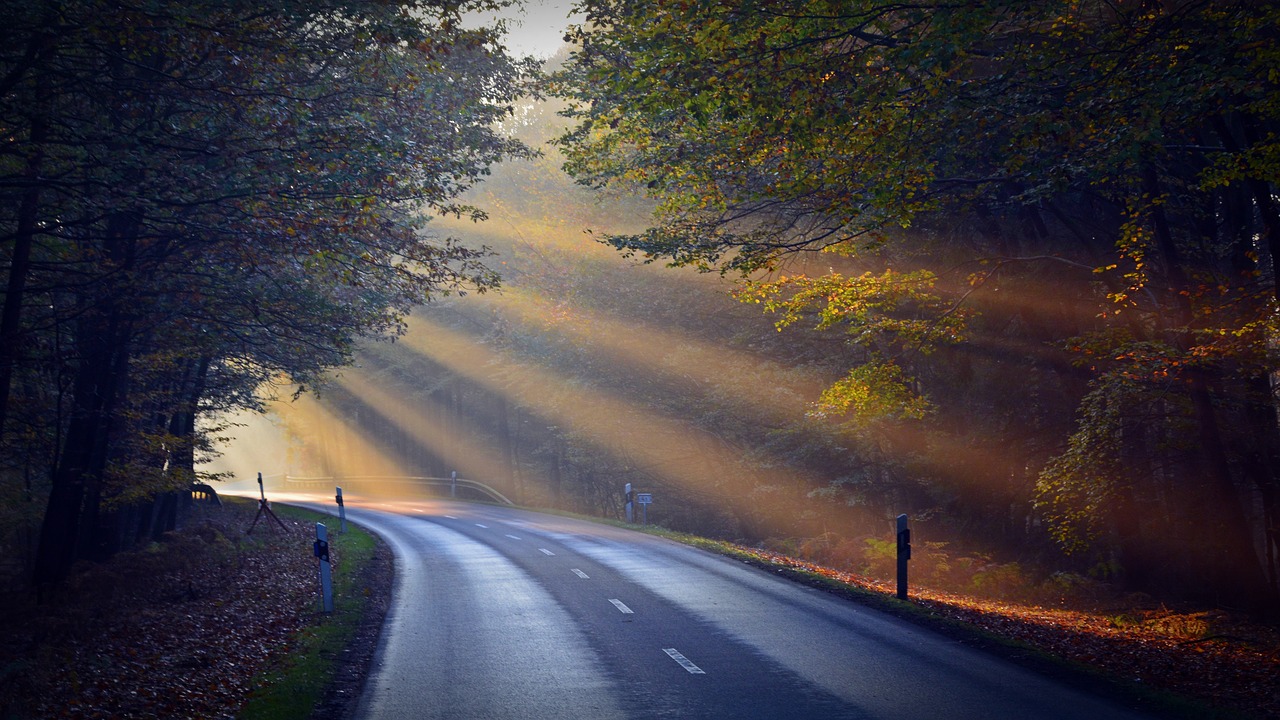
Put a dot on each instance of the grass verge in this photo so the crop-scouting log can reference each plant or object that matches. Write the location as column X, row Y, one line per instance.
column 296, row 689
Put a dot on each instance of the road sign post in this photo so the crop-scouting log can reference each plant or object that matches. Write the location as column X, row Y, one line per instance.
column 321, row 549
column 645, row 500
column 904, row 554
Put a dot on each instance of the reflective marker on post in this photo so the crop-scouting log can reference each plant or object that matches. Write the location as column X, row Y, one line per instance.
column 342, row 512
column 321, row 549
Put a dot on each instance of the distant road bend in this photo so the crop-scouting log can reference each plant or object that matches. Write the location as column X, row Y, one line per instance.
column 508, row 614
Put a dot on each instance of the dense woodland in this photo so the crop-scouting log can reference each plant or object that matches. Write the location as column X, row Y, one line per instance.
column 1005, row 266
column 202, row 200
column 1058, row 231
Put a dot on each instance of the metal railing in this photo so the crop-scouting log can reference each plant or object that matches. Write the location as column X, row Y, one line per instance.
column 354, row 481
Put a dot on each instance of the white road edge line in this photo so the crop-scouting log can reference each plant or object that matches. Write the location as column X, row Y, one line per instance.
column 580, row 574
column 684, row 661
column 545, row 551
column 622, row 608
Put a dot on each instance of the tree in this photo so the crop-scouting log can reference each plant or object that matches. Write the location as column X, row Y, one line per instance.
column 941, row 154
column 220, row 193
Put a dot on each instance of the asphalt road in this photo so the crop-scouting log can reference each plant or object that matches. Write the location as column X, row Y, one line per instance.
column 503, row 613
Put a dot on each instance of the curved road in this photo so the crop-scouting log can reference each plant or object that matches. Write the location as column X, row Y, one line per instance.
column 503, row 613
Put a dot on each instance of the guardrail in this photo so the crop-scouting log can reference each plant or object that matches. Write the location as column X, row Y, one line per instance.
column 350, row 481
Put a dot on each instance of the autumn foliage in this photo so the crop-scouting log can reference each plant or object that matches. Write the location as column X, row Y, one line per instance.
column 1047, row 233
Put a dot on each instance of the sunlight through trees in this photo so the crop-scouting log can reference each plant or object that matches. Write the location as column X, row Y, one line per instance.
column 203, row 197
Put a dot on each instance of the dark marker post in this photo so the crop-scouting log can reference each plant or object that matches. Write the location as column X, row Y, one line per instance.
column 904, row 554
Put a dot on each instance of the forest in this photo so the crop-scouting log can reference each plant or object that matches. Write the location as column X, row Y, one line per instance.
column 794, row 267
column 203, row 200
column 1053, row 233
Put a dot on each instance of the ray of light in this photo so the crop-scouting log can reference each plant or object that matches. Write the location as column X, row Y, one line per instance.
column 762, row 387
column 255, row 445
column 330, row 447
column 759, row 389
column 461, row 450
column 673, row 451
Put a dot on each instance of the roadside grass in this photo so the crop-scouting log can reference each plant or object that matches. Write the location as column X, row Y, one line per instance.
column 295, row 690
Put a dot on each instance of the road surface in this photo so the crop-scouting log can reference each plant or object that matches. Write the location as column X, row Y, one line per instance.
column 507, row 614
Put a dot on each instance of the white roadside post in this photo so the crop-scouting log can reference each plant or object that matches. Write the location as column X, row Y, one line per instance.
column 326, row 579
column 342, row 512
column 453, row 484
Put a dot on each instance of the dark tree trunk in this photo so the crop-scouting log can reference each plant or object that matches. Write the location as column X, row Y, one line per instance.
column 33, row 69
column 557, row 479
column 70, row 527
column 71, row 517
column 1231, row 562
column 19, row 268
column 1260, row 467
column 1228, row 560
column 182, row 426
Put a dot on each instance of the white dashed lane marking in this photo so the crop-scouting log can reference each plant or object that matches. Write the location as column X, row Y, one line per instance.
column 684, row 661
column 579, row 573
column 622, row 608
column 545, row 551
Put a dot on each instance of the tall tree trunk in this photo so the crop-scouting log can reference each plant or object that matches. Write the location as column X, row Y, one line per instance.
column 505, row 448
column 1260, row 467
column 182, row 426
column 39, row 50
column 19, row 268
column 1263, row 196
column 103, row 347
column 1271, row 537
column 71, row 514
column 1230, row 562
column 556, row 480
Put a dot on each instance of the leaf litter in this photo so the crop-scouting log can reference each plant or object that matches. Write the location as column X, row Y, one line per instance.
column 181, row 629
